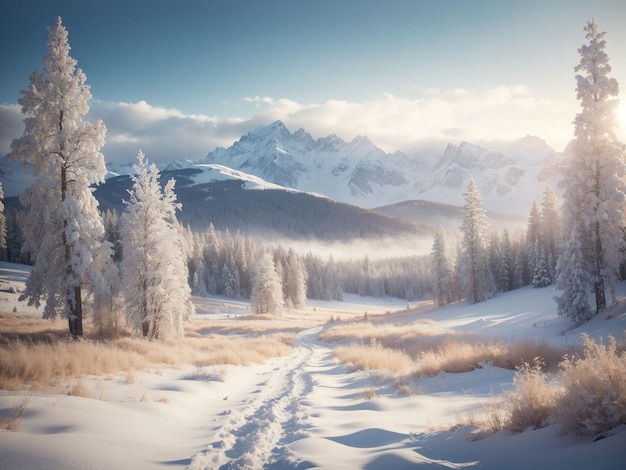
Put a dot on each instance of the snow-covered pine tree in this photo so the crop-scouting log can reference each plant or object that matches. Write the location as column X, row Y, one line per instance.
column 295, row 288
column 62, row 229
column 442, row 271
column 15, row 239
column 230, row 278
column 541, row 274
column 474, row 258
column 518, row 268
column 533, row 234
column 267, row 291
column 506, row 275
column 550, row 232
column 154, row 266
column 211, row 255
column 574, row 280
column 594, row 183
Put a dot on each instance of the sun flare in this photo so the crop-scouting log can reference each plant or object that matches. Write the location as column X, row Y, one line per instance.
column 621, row 115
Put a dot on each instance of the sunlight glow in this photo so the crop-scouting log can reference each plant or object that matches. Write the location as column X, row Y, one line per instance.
column 621, row 117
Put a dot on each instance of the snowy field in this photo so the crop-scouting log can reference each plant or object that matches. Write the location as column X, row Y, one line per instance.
column 306, row 410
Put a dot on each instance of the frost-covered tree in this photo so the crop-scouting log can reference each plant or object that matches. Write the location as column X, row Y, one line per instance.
column 295, row 283
column 574, row 281
column 442, row 270
column 474, row 258
column 15, row 239
column 154, row 266
column 518, row 269
column 211, row 255
column 541, row 274
column 109, row 312
column 594, row 196
column 267, row 292
column 550, row 227
column 231, row 278
column 506, row 273
column 62, row 229
column 533, row 235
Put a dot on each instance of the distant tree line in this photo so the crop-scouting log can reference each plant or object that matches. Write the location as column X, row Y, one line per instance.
column 479, row 261
column 580, row 247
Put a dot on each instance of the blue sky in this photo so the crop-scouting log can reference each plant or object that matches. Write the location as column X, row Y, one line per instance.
column 179, row 78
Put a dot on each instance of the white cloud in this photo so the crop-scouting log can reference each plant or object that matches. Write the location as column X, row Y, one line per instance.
column 401, row 123
column 11, row 125
column 423, row 123
column 162, row 134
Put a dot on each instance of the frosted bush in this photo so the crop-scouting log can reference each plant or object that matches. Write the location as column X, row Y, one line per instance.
column 533, row 400
column 594, row 398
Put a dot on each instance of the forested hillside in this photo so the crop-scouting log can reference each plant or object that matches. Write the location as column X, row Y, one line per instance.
column 266, row 212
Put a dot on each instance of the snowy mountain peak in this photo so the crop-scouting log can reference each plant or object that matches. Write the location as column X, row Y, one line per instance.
column 344, row 171
column 358, row 172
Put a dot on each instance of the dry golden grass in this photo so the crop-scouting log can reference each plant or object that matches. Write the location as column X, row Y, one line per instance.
column 527, row 350
column 587, row 395
column 458, row 356
column 30, row 328
column 13, row 420
column 374, row 356
column 34, row 356
column 434, row 349
column 402, row 336
column 145, row 397
column 79, row 389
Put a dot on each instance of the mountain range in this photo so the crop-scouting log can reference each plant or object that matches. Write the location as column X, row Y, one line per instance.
column 319, row 177
column 360, row 173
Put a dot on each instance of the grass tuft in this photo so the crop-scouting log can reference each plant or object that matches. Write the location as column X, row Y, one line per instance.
column 13, row 420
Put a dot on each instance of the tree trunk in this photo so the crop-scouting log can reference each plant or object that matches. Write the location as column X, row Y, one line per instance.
column 75, row 314
column 599, row 284
column 75, row 317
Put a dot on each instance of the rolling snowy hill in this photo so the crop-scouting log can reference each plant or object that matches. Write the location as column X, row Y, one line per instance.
column 239, row 201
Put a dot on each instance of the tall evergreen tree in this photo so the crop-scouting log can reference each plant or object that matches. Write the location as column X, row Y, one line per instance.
column 62, row 230
column 267, row 292
column 594, row 183
column 533, row 235
column 474, row 261
column 15, row 239
column 295, row 288
column 506, row 274
column 211, row 254
column 550, row 228
column 541, row 275
column 155, row 273
column 441, row 270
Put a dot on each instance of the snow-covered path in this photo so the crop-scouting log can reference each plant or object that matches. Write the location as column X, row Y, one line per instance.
column 306, row 410
column 258, row 428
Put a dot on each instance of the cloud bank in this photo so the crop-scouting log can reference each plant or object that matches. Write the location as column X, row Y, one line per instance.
column 412, row 125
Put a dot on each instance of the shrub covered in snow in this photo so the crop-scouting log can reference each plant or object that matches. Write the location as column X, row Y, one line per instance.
column 532, row 402
column 594, row 395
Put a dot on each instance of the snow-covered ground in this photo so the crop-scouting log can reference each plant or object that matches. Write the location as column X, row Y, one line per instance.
column 306, row 410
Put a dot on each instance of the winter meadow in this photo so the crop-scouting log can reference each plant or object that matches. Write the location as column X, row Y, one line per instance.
column 292, row 303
